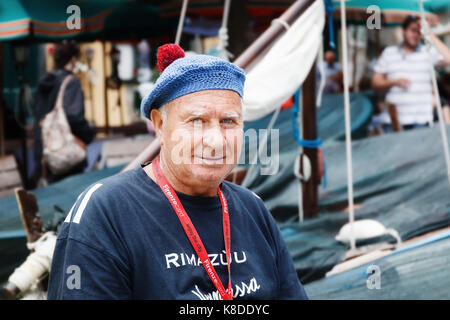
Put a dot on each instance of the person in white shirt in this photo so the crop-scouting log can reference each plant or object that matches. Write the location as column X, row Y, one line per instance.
column 403, row 71
column 332, row 73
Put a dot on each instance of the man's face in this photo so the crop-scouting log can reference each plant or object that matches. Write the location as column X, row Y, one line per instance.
column 202, row 135
column 412, row 35
column 329, row 57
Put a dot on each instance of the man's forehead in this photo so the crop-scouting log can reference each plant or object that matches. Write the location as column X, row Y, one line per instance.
column 203, row 105
column 207, row 111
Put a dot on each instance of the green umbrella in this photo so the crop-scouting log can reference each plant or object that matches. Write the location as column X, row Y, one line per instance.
column 393, row 12
column 47, row 19
column 437, row 6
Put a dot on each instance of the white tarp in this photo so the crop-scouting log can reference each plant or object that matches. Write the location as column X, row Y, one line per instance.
column 283, row 69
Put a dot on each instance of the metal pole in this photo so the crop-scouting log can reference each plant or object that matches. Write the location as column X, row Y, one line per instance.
column 348, row 137
column 438, row 99
column 2, row 121
column 181, row 22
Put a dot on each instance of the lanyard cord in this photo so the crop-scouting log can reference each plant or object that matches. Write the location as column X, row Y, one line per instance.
column 192, row 234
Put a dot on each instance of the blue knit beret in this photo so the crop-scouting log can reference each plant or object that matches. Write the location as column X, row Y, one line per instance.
column 191, row 74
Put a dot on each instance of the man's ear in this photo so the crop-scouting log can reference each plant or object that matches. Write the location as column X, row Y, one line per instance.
column 157, row 120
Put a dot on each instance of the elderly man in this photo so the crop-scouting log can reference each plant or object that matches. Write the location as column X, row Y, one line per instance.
column 403, row 71
column 174, row 229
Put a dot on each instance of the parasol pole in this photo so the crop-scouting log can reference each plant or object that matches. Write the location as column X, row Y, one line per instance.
column 181, row 22
column 348, row 137
column 425, row 27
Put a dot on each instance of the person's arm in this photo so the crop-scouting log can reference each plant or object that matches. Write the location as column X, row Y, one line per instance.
column 90, row 260
column 380, row 82
column 82, row 272
column 393, row 114
column 442, row 49
column 290, row 286
column 74, row 108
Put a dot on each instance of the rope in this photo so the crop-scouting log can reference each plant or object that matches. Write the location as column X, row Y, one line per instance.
column 348, row 137
column 309, row 144
column 282, row 22
column 300, row 178
column 329, row 8
column 181, row 22
column 321, row 68
column 436, row 92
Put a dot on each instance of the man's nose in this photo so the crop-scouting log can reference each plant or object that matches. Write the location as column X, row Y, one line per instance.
column 214, row 141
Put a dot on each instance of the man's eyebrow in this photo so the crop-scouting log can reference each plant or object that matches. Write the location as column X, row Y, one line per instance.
column 233, row 115
column 195, row 113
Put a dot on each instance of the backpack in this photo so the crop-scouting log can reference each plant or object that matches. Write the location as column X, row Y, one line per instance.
column 61, row 149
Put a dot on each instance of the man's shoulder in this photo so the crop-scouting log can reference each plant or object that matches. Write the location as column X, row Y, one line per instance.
column 101, row 205
column 390, row 50
column 245, row 198
column 120, row 180
column 109, row 191
column 242, row 192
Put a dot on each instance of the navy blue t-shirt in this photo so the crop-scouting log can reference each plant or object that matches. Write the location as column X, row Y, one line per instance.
column 123, row 240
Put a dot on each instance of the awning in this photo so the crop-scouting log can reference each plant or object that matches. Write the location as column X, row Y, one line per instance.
column 393, row 12
column 111, row 19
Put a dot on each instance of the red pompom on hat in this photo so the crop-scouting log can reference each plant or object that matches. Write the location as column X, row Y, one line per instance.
column 167, row 54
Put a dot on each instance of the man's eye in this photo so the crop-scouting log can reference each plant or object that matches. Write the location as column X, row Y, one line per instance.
column 228, row 121
column 196, row 120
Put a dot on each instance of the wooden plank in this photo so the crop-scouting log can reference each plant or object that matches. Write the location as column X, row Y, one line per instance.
column 112, row 162
column 9, row 179
column 94, row 92
column 9, row 176
column 356, row 262
column 6, row 193
column 31, row 220
column 309, row 127
column 86, row 83
column 127, row 97
column 114, row 108
column 380, row 250
column 124, row 147
column 122, row 151
column 8, row 163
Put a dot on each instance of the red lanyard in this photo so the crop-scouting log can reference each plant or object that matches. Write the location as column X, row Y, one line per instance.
column 192, row 234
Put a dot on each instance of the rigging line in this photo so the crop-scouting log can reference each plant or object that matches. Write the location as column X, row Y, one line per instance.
column 223, row 33
column 321, row 69
column 436, row 91
column 348, row 137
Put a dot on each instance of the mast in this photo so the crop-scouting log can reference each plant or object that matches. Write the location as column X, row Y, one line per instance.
column 310, row 188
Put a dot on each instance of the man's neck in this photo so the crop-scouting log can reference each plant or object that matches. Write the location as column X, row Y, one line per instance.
column 181, row 186
column 407, row 49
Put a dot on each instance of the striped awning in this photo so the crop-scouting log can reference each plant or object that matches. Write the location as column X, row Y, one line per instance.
column 47, row 20
column 392, row 12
